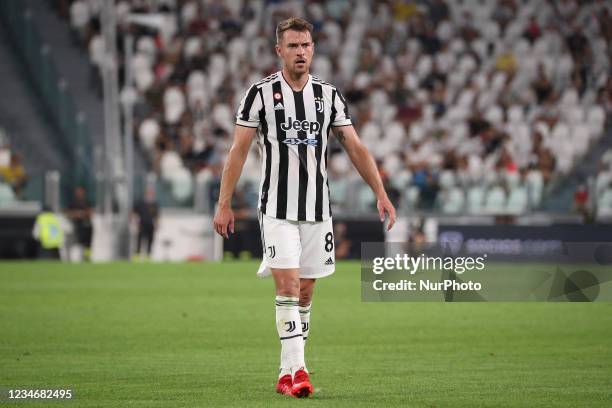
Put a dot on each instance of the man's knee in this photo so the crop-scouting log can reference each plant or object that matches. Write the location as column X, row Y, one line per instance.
column 306, row 290
column 287, row 284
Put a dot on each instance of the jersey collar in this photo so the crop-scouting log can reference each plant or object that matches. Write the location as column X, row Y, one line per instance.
column 287, row 83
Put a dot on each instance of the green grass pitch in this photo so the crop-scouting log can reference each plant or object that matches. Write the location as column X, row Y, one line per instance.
column 184, row 335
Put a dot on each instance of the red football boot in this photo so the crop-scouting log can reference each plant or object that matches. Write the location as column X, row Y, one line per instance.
column 302, row 388
column 284, row 385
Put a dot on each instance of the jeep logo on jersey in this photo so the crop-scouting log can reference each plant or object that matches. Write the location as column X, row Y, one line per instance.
column 302, row 125
column 296, row 141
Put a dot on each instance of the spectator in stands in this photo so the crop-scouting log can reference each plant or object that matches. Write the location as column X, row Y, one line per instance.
column 427, row 182
column 79, row 18
column 408, row 61
column 532, row 30
column 581, row 203
column 541, row 85
column 147, row 211
column 79, row 212
column 578, row 44
column 14, row 174
column 506, row 61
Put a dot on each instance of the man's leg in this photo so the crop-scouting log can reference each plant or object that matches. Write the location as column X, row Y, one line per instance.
column 282, row 248
column 288, row 323
column 150, row 236
column 306, row 289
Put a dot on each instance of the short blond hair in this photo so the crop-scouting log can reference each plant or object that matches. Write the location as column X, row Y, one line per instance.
column 293, row 23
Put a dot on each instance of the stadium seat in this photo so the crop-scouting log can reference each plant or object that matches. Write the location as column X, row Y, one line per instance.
column 521, row 48
column 596, row 118
column 602, row 182
column 495, row 200
column 223, row 117
column 392, row 164
column 570, row 97
column 7, row 195
column 453, row 200
column 560, row 132
column 424, row 66
column 535, row 185
column 480, row 46
column 466, row 98
column 338, row 190
column 447, row 179
column 564, row 67
column 189, row 12
column 475, row 199
column 516, row 114
column 580, row 139
column 366, row 200
column 490, row 178
column 575, row 115
column 148, row 131
column 512, row 178
column 604, row 203
column 174, row 104
column 498, row 81
column 412, row 195
column 181, row 182
column 517, row 200
column 144, row 79
column 494, row 114
column 170, row 163
column 5, row 157
column 401, row 180
column 146, row 46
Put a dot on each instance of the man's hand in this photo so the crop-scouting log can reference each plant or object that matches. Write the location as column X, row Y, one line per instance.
column 384, row 205
column 224, row 221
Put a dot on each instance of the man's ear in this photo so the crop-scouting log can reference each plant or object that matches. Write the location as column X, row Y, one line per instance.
column 278, row 50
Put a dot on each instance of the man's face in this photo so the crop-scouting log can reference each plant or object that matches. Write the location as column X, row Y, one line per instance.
column 296, row 49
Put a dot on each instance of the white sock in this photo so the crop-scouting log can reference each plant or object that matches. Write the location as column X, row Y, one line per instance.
column 288, row 325
column 305, row 318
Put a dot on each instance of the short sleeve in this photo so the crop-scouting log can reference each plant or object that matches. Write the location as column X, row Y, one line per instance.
column 248, row 112
column 340, row 110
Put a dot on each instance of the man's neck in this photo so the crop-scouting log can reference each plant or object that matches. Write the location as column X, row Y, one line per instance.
column 295, row 81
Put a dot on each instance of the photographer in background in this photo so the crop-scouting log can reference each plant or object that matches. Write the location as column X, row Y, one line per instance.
column 147, row 211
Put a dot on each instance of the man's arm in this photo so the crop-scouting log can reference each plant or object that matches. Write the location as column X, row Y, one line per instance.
column 365, row 165
column 224, row 218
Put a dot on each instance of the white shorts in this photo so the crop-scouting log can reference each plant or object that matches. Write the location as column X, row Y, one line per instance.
column 306, row 245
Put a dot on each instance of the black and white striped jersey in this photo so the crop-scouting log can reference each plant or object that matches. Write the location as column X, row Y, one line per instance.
column 292, row 132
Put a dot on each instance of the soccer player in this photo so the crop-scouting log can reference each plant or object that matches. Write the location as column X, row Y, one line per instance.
column 291, row 113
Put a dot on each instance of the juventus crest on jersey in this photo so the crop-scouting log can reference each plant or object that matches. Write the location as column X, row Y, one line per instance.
column 292, row 132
